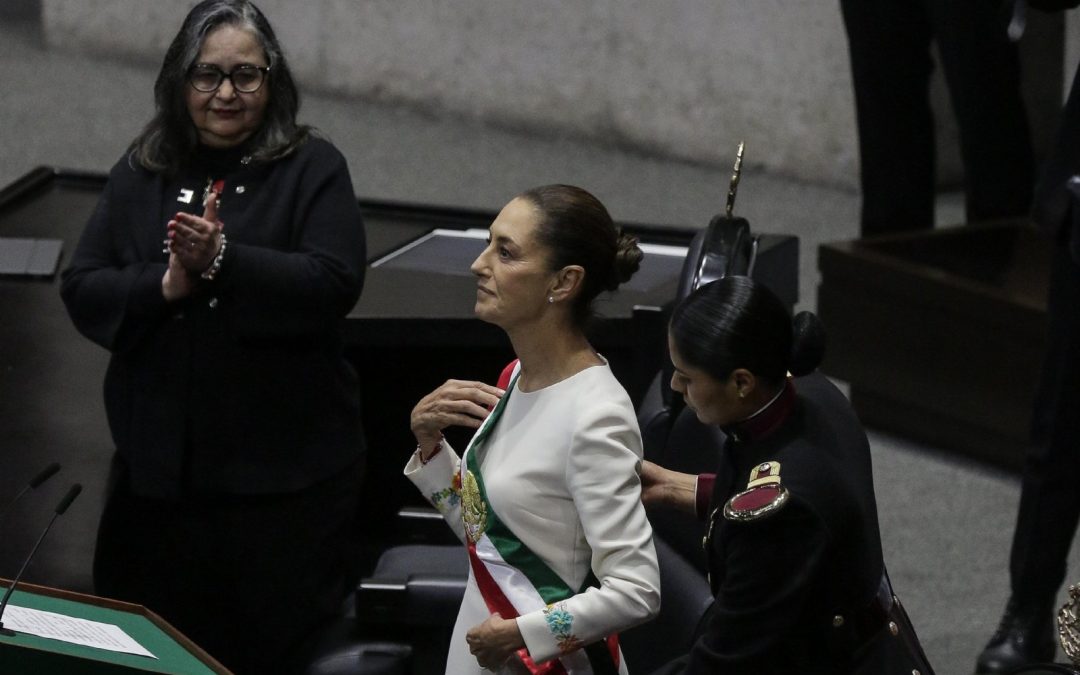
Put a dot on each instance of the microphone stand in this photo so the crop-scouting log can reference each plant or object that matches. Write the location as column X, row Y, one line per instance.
column 46, row 473
column 64, row 504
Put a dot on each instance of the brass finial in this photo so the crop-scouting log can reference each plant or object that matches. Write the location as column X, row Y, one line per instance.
column 734, row 187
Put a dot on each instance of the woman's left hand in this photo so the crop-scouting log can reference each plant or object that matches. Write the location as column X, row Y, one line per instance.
column 494, row 641
column 196, row 240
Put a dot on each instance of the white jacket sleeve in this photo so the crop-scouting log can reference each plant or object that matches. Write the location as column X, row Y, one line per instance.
column 602, row 476
column 438, row 482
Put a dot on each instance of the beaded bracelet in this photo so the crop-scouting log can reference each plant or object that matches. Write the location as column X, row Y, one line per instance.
column 215, row 266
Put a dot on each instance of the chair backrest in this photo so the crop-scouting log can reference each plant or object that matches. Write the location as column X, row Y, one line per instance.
column 691, row 447
column 672, row 435
column 685, row 597
column 726, row 247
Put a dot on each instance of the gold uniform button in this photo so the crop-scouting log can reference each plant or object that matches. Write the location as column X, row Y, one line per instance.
column 837, row 621
column 893, row 628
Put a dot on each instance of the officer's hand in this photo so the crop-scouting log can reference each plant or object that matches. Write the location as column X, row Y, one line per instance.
column 664, row 487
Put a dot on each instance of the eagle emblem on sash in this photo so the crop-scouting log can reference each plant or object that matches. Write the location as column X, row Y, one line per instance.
column 473, row 509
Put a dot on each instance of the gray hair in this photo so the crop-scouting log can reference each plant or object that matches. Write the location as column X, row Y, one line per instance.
column 169, row 139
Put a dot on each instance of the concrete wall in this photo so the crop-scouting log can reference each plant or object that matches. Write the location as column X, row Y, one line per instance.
column 689, row 79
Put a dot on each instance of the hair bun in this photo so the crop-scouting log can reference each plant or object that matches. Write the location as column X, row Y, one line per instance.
column 628, row 257
column 807, row 344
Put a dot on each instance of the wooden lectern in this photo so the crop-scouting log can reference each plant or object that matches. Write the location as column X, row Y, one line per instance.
column 31, row 655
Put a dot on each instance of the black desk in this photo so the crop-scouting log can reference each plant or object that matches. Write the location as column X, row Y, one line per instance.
column 409, row 332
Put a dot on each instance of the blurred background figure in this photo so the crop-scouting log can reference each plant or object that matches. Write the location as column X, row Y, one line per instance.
column 1049, row 498
column 890, row 47
column 233, row 411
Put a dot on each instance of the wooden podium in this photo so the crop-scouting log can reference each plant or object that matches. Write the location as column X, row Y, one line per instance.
column 941, row 334
column 26, row 654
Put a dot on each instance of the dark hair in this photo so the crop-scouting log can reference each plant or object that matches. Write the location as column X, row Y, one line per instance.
column 167, row 141
column 577, row 230
column 735, row 322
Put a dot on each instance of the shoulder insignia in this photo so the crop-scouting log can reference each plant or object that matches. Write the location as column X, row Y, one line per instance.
column 764, row 495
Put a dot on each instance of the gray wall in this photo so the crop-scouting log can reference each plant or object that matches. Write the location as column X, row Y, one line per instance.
column 688, row 79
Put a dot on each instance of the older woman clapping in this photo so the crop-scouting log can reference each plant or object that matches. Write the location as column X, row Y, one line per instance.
column 216, row 268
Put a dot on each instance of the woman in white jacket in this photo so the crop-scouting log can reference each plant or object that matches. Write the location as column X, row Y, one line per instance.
column 547, row 495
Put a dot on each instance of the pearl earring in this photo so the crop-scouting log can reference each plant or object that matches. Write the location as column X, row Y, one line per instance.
column 551, row 299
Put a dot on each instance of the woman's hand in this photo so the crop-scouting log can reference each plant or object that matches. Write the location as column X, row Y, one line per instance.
column 194, row 240
column 177, row 284
column 456, row 403
column 494, row 641
column 664, row 487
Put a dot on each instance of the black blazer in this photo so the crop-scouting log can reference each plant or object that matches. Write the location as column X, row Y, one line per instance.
column 242, row 388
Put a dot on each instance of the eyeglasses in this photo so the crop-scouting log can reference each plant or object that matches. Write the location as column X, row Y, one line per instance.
column 245, row 79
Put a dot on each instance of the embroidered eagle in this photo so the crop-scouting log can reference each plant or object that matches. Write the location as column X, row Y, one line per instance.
column 473, row 510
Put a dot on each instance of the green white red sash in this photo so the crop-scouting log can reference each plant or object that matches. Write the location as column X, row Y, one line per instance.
column 512, row 579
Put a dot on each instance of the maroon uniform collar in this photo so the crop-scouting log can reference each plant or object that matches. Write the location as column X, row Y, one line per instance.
column 768, row 419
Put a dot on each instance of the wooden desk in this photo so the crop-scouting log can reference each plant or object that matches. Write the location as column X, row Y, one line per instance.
column 941, row 334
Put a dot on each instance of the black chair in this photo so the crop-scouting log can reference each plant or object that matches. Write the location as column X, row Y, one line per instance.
column 342, row 653
column 684, row 599
column 724, row 248
column 401, row 616
column 690, row 447
column 671, row 435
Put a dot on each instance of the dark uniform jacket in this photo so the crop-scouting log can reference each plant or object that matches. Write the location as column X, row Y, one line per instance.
column 794, row 550
column 242, row 388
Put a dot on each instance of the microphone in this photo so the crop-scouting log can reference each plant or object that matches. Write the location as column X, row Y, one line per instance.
column 46, row 473
column 60, row 508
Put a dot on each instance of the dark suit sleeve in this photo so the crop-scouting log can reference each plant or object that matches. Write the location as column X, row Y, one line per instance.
column 770, row 566
column 113, row 293
column 306, row 289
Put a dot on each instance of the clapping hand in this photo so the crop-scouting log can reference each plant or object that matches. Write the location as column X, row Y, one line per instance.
column 192, row 242
column 196, row 240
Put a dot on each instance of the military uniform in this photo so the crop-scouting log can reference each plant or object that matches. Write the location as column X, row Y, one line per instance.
column 794, row 550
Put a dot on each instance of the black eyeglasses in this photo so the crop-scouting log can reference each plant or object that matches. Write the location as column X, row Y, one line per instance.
column 206, row 77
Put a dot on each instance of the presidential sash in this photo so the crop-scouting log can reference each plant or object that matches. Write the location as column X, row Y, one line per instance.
column 512, row 579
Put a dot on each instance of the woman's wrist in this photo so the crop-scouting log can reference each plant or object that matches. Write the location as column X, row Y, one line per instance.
column 172, row 288
column 681, row 491
column 215, row 265
column 428, row 446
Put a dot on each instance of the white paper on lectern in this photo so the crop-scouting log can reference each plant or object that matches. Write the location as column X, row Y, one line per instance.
column 69, row 629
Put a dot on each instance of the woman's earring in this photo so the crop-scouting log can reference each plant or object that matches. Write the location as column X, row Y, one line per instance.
column 551, row 299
